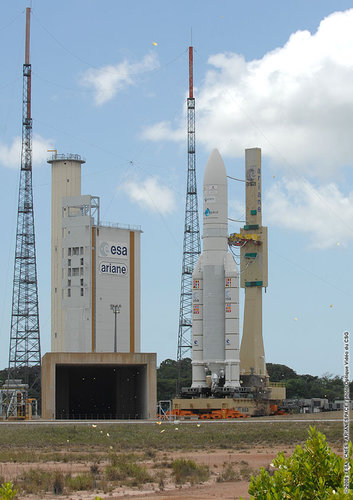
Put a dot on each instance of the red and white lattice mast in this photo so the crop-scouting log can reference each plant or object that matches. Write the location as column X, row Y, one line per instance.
column 192, row 244
column 24, row 349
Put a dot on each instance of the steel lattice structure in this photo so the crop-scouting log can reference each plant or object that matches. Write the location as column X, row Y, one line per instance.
column 24, row 349
column 192, row 244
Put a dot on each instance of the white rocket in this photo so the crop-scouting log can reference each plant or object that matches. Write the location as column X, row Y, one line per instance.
column 215, row 303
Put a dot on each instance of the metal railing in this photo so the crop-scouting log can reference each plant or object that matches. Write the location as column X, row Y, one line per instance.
column 118, row 225
column 66, row 156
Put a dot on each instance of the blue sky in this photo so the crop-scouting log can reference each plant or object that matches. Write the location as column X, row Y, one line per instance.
column 109, row 82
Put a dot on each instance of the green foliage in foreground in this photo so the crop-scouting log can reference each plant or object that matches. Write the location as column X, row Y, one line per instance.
column 7, row 491
column 314, row 471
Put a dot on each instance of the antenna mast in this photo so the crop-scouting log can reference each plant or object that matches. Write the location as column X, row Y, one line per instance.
column 24, row 349
column 192, row 243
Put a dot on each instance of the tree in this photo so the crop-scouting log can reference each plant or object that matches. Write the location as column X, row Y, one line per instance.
column 296, row 388
column 279, row 373
column 313, row 472
column 33, row 375
column 167, row 375
column 307, row 386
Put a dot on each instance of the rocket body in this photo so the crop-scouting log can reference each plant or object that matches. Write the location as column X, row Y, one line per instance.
column 215, row 319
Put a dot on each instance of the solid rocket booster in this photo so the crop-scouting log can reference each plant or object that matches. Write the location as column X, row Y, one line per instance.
column 215, row 304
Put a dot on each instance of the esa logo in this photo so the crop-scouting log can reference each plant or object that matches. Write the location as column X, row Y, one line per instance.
column 211, row 213
column 112, row 249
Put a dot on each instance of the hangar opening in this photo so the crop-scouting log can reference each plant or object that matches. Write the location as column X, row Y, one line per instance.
column 100, row 391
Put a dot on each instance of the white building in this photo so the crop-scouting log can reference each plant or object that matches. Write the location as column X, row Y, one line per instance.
column 94, row 266
column 95, row 368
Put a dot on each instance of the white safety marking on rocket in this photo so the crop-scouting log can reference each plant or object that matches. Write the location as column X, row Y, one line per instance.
column 215, row 304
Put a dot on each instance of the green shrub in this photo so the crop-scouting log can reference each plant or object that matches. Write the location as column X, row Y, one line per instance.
column 229, row 474
column 188, row 470
column 58, row 483
column 81, row 482
column 39, row 481
column 313, row 472
column 124, row 468
column 7, row 491
column 35, row 481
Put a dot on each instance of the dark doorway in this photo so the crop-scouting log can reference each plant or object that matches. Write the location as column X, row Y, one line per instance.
column 100, row 392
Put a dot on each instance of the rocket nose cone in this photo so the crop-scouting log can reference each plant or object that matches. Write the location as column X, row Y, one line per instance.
column 215, row 171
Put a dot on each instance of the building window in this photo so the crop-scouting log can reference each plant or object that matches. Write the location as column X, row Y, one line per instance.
column 68, row 282
column 69, row 272
column 81, row 250
column 69, row 262
column 75, row 271
column 81, row 261
column 75, row 250
column 81, row 292
column 69, row 292
column 81, row 271
column 69, row 252
column 81, row 281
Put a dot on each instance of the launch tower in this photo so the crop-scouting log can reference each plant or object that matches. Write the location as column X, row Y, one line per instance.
column 192, row 245
column 254, row 274
column 24, row 349
column 252, row 240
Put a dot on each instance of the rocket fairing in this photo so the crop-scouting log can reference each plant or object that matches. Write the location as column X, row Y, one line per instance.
column 215, row 301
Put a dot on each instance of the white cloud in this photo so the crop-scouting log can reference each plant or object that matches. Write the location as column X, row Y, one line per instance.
column 295, row 102
column 160, row 130
column 10, row 156
column 323, row 213
column 109, row 80
column 151, row 194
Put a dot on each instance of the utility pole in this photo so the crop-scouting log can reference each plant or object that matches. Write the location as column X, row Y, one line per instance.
column 192, row 244
column 116, row 310
column 24, row 351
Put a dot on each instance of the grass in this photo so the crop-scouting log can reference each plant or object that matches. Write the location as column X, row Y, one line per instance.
column 114, row 453
column 60, row 442
column 229, row 473
column 124, row 467
column 188, row 471
column 37, row 481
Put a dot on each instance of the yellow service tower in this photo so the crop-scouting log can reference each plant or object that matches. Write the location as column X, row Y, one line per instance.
column 253, row 270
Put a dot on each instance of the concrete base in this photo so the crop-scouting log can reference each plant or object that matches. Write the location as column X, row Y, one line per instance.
column 99, row 385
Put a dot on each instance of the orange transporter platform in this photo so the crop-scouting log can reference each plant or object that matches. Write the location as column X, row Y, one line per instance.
column 204, row 415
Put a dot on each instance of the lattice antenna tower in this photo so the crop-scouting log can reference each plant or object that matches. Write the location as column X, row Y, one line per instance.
column 192, row 244
column 24, row 349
